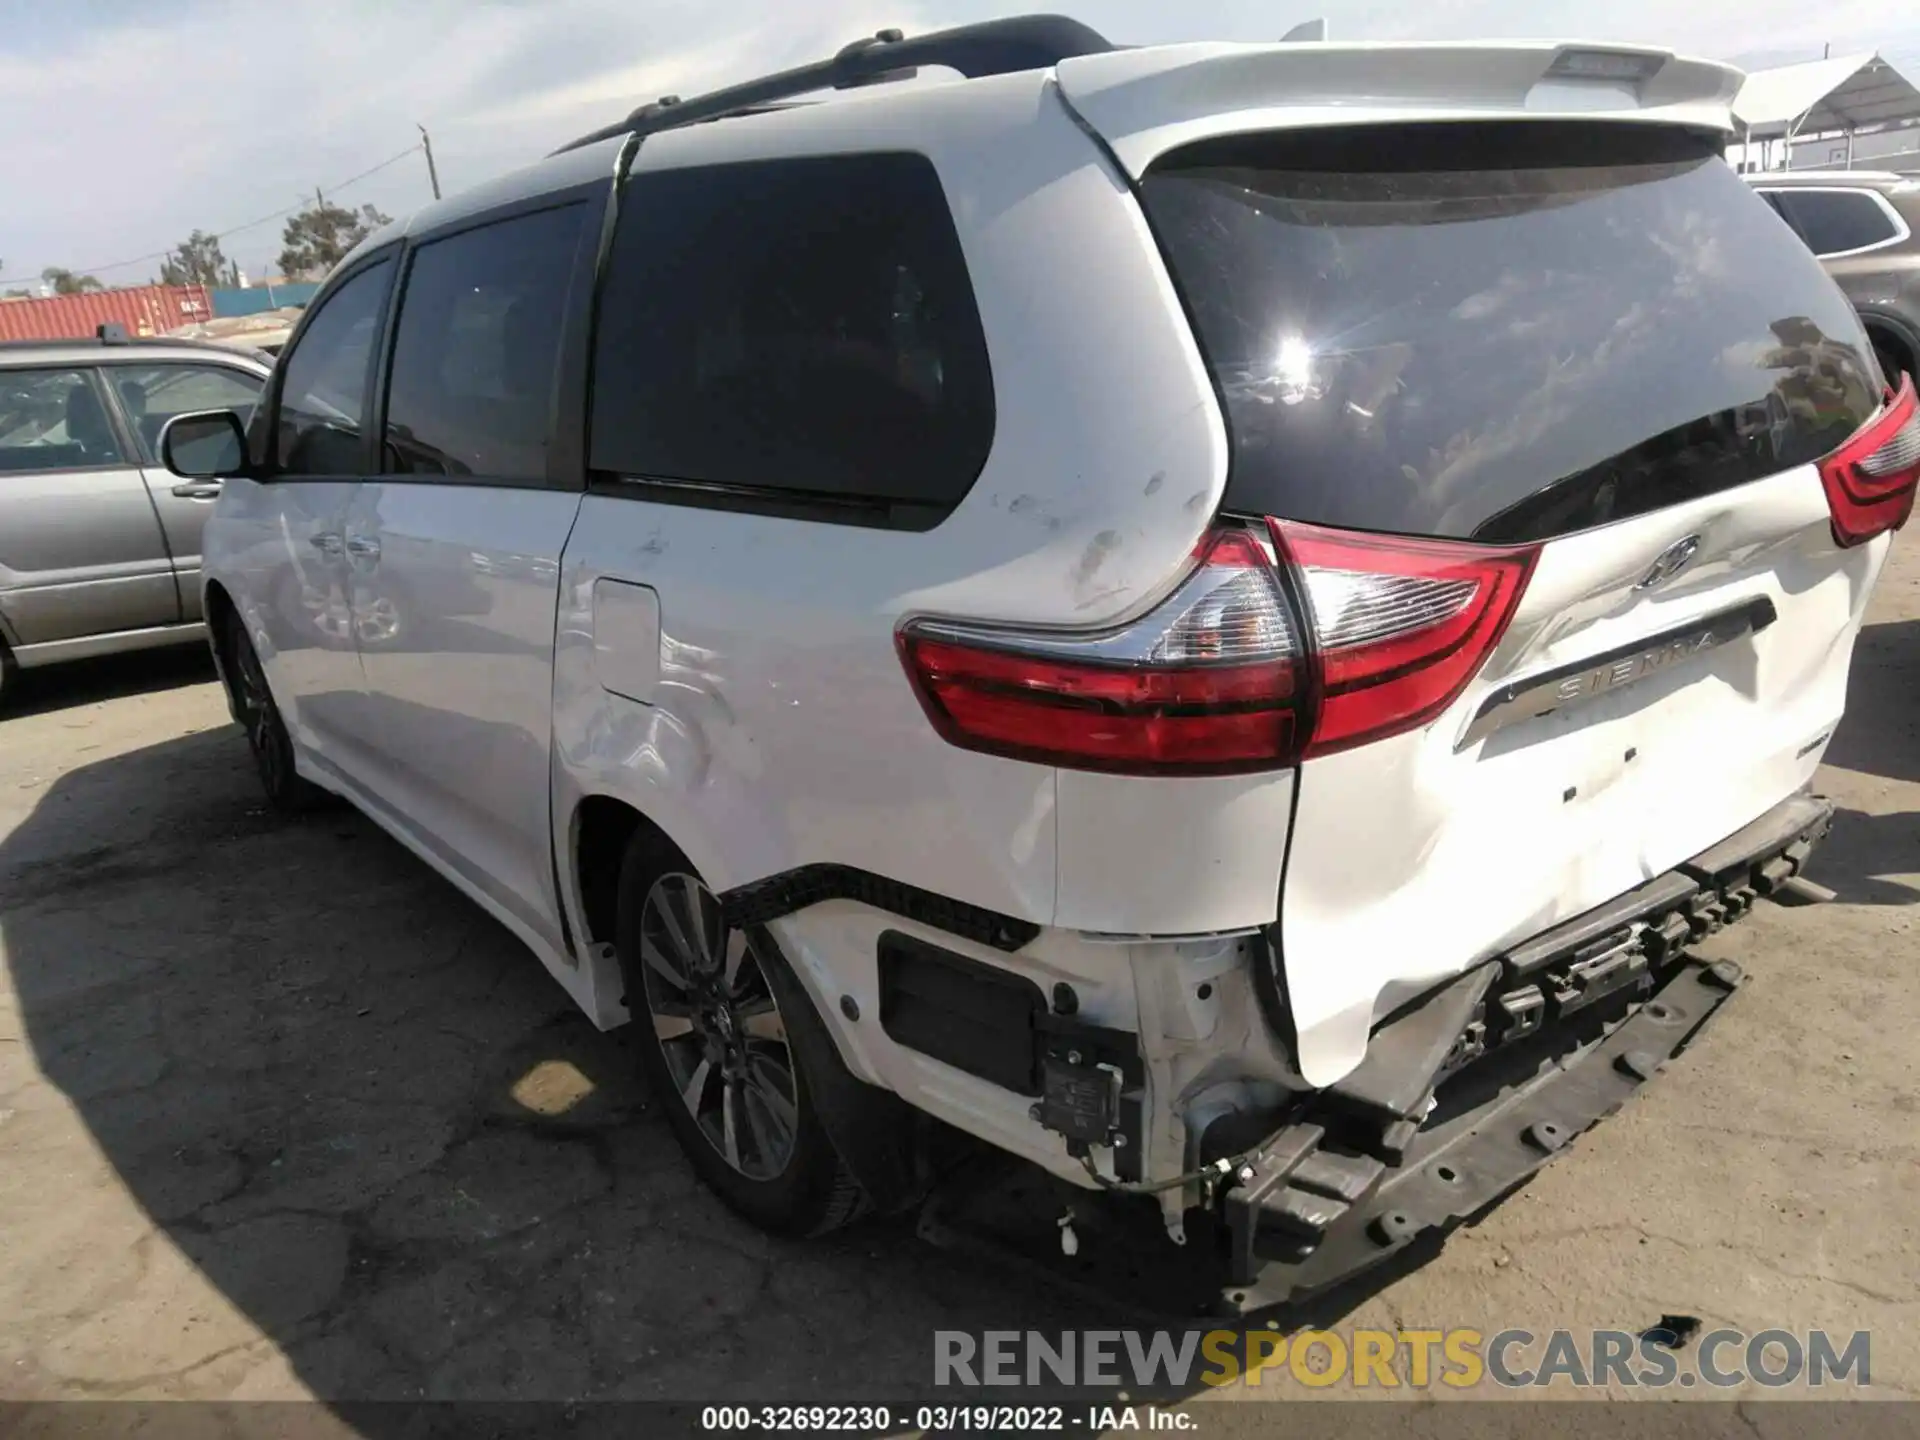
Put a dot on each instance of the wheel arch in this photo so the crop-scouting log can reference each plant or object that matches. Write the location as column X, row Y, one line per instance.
column 601, row 829
column 876, row 1133
column 1895, row 336
column 221, row 613
column 596, row 816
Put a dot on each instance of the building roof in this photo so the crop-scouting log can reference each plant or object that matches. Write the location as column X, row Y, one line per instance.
column 1846, row 92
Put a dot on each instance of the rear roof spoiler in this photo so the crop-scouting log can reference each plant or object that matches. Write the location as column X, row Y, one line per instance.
column 1146, row 102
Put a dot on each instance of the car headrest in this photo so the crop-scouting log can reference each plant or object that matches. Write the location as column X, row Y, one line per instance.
column 87, row 419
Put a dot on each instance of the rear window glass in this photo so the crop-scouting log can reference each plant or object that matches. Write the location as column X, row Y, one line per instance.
column 1503, row 332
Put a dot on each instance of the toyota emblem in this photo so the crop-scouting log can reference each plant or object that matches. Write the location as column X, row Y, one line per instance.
column 1675, row 558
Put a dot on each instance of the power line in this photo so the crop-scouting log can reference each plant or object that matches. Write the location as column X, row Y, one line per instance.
column 237, row 229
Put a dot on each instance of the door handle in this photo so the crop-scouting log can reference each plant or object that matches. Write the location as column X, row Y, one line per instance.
column 326, row 543
column 364, row 547
column 198, row 490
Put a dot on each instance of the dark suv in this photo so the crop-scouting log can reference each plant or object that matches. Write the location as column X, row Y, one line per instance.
column 1862, row 223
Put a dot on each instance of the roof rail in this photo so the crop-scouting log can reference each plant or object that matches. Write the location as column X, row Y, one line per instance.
column 993, row 47
column 1813, row 179
column 135, row 342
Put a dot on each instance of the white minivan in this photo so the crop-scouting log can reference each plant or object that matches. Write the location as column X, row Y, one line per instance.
column 1214, row 617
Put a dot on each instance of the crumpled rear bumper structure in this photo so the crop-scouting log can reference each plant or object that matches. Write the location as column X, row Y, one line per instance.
column 1466, row 1094
column 1311, row 1216
column 1462, row 1096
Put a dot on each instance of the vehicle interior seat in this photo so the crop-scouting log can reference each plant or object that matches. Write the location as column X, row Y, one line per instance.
column 87, row 426
column 133, row 396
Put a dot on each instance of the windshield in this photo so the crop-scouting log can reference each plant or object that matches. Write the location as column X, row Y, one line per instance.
column 1502, row 331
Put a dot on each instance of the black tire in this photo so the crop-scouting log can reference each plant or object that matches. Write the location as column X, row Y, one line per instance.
column 1893, row 361
column 706, row 1040
column 266, row 732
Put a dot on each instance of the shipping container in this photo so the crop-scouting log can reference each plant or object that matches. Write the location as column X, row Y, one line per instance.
column 143, row 310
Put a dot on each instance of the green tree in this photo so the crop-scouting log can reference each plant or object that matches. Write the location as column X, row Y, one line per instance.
column 319, row 237
column 196, row 260
column 65, row 282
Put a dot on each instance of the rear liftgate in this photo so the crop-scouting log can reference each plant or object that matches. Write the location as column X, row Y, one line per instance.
column 1462, row 1096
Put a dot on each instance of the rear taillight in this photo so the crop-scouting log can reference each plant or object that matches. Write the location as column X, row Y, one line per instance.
column 1399, row 626
column 1218, row 678
column 1870, row 479
column 1207, row 683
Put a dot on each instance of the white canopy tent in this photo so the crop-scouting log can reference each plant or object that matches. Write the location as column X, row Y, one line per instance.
column 1841, row 95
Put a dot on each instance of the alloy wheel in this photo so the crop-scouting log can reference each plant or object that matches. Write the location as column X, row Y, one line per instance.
column 719, row 1027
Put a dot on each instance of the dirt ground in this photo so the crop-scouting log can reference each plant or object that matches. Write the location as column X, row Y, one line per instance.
column 282, row 1115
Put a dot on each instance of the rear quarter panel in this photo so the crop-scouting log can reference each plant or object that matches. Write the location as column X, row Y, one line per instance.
column 783, row 730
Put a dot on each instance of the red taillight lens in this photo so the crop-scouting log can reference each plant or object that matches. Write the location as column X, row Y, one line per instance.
column 1208, row 683
column 1219, row 678
column 1870, row 479
column 1399, row 626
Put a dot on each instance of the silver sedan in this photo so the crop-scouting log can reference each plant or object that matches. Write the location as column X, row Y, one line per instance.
column 99, row 544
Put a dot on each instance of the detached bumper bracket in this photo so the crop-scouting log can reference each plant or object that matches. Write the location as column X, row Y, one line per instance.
column 1460, row 1164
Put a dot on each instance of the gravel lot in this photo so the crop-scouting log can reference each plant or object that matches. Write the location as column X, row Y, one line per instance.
column 282, row 1115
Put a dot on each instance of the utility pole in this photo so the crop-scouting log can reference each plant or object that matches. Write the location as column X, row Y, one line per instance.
column 426, row 144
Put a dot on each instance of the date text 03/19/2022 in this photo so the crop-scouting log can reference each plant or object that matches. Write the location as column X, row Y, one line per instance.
column 988, row 1419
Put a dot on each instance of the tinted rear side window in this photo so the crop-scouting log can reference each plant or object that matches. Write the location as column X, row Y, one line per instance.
column 1836, row 221
column 1505, row 332
column 793, row 326
column 477, row 348
column 53, row 420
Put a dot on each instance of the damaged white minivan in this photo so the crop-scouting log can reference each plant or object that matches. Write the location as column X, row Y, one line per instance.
column 1213, row 617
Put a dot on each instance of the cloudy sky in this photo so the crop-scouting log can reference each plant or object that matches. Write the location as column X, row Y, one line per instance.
column 129, row 123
